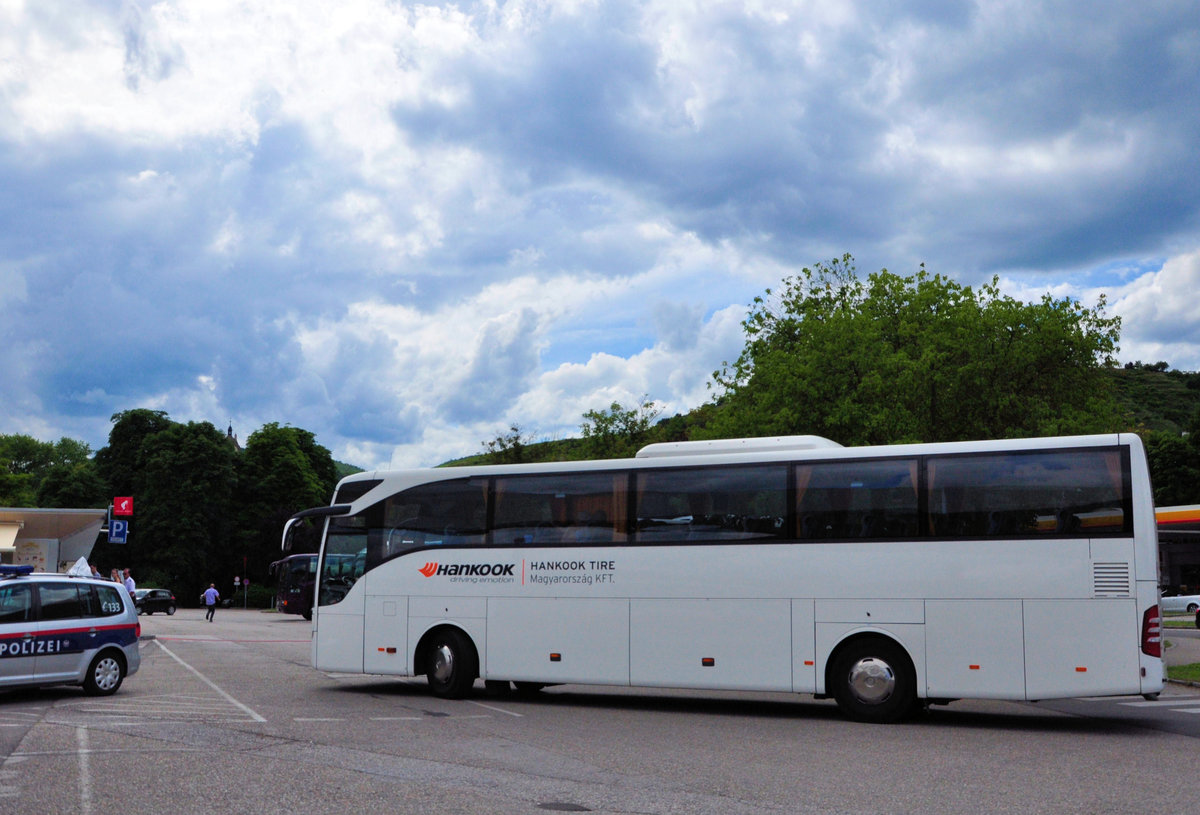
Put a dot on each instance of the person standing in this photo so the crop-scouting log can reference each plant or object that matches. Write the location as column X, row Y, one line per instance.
column 211, row 596
column 129, row 584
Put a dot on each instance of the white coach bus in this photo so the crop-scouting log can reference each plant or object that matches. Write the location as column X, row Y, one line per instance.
column 880, row 576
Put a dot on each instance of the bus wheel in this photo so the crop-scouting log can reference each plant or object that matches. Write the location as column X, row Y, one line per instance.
column 452, row 664
column 873, row 681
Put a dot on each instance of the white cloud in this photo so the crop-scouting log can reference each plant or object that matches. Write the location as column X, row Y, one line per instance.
column 1159, row 313
column 405, row 226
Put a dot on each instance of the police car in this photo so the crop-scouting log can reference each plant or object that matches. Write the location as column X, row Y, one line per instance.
column 56, row 629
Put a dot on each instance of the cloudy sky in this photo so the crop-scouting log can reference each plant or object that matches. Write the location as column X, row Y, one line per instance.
column 405, row 227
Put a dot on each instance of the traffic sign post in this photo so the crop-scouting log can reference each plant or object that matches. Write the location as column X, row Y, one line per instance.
column 118, row 531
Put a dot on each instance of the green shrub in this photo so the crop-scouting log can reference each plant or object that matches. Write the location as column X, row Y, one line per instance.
column 258, row 596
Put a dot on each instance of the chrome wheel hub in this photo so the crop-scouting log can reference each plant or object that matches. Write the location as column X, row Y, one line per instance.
column 872, row 681
column 443, row 663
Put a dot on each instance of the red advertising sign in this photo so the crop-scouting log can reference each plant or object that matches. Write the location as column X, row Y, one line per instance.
column 123, row 505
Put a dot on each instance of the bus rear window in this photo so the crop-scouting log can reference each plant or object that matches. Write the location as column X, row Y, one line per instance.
column 1073, row 492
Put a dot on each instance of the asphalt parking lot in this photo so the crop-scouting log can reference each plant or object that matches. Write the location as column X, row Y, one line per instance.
column 229, row 716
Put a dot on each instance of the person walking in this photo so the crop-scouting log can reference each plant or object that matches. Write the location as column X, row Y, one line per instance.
column 210, row 597
column 129, row 584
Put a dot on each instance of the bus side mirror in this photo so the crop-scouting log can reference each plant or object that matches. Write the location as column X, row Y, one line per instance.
column 316, row 512
column 286, row 543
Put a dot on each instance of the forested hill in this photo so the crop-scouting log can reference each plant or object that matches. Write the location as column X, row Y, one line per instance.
column 1151, row 400
column 1154, row 398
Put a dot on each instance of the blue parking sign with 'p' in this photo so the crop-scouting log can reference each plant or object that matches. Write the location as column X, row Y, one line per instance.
column 117, row 531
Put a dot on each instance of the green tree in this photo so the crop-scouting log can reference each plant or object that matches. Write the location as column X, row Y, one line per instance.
column 282, row 471
column 618, row 431
column 1174, row 468
column 26, row 462
column 77, row 485
column 917, row 358
column 26, row 455
column 184, row 490
column 119, row 461
column 16, row 489
column 508, row 448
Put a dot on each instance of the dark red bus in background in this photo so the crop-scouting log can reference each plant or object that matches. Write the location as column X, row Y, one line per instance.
column 295, row 578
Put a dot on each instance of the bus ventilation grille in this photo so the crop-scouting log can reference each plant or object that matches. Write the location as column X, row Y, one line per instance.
column 1110, row 579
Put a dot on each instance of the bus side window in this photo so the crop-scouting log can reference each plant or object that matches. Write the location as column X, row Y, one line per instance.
column 714, row 504
column 436, row 514
column 560, row 509
column 852, row 500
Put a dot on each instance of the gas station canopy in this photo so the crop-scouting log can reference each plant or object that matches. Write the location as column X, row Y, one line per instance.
column 48, row 539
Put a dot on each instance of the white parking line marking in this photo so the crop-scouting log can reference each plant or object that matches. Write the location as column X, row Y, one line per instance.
column 497, row 709
column 85, row 773
column 211, row 684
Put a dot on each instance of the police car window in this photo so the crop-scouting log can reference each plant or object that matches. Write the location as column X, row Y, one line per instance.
column 60, row 601
column 16, row 603
column 110, row 601
column 87, row 601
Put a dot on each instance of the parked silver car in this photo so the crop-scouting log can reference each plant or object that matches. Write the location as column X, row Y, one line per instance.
column 57, row 629
column 1181, row 603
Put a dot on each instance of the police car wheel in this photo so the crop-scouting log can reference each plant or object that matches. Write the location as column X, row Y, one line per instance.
column 104, row 675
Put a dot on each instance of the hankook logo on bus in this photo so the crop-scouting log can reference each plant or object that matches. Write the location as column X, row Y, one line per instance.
column 468, row 569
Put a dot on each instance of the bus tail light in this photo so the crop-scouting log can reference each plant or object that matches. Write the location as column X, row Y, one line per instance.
column 1152, row 632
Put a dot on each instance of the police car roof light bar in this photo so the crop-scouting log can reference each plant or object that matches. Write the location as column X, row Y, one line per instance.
column 9, row 570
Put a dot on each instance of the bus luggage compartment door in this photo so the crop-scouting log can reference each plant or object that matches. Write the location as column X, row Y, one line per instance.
column 974, row 649
column 1070, row 651
column 558, row 639
column 724, row 644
